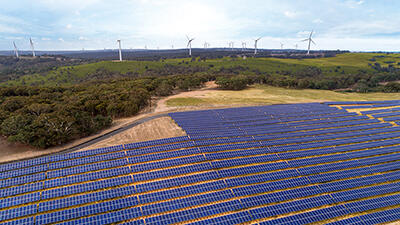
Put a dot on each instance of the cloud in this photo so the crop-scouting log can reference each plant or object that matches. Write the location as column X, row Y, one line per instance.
column 163, row 23
column 83, row 38
column 10, row 30
column 45, row 39
column 290, row 14
column 13, row 38
column 318, row 21
column 365, row 29
column 353, row 4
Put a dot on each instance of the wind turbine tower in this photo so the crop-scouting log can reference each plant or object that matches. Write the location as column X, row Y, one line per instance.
column 231, row 45
column 243, row 46
column 296, row 46
column 120, row 51
column 309, row 39
column 16, row 50
column 189, row 45
column 33, row 48
column 255, row 45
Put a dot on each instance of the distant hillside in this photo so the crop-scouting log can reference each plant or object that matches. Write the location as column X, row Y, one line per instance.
column 12, row 68
column 152, row 54
column 339, row 72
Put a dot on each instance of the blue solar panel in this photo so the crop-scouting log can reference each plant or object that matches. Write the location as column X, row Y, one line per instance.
column 242, row 165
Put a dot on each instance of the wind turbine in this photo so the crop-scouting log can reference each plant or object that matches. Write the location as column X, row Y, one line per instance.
column 120, row 51
column 309, row 39
column 296, row 46
column 243, row 46
column 189, row 45
column 231, row 45
column 255, row 45
column 282, row 45
column 33, row 48
column 16, row 50
column 206, row 45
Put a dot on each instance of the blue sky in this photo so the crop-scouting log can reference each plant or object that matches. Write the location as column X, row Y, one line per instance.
column 357, row 25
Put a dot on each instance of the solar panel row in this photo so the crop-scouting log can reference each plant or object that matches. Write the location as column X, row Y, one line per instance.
column 182, row 185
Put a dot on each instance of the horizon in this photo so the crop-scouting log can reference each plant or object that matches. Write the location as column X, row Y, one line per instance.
column 354, row 25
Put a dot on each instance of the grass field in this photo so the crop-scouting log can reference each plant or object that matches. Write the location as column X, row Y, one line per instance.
column 343, row 63
column 262, row 94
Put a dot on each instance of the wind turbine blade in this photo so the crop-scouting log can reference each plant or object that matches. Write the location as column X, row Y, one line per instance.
column 306, row 39
column 188, row 38
column 313, row 42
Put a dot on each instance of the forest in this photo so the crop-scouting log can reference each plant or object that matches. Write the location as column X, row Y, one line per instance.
column 49, row 116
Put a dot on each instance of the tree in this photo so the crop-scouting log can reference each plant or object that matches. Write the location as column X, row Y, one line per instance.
column 232, row 83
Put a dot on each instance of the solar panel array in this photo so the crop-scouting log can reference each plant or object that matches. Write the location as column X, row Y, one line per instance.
column 280, row 164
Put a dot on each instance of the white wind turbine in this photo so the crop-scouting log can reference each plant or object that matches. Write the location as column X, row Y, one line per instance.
column 189, row 45
column 243, row 46
column 296, row 46
column 206, row 45
column 255, row 45
column 282, row 45
column 120, row 51
column 15, row 50
column 309, row 39
column 231, row 45
column 33, row 48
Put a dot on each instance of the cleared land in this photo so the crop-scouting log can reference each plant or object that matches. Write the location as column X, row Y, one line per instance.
column 159, row 128
column 262, row 94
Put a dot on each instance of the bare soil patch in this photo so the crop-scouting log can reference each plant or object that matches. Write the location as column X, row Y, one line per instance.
column 159, row 128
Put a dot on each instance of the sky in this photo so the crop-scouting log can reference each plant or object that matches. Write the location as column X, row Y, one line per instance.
column 355, row 25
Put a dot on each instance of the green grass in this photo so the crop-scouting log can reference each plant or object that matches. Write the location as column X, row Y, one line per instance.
column 348, row 63
column 186, row 102
column 263, row 94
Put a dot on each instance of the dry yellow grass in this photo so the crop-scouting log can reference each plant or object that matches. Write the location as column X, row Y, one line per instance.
column 159, row 128
column 263, row 94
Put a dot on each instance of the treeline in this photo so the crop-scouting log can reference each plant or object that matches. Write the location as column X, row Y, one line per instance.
column 210, row 53
column 48, row 116
column 13, row 68
column 314, row 78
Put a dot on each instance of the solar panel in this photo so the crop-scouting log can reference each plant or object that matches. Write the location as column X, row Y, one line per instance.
column 289, row 164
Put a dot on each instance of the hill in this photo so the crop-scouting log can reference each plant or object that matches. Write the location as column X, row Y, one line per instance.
column 360, row 71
